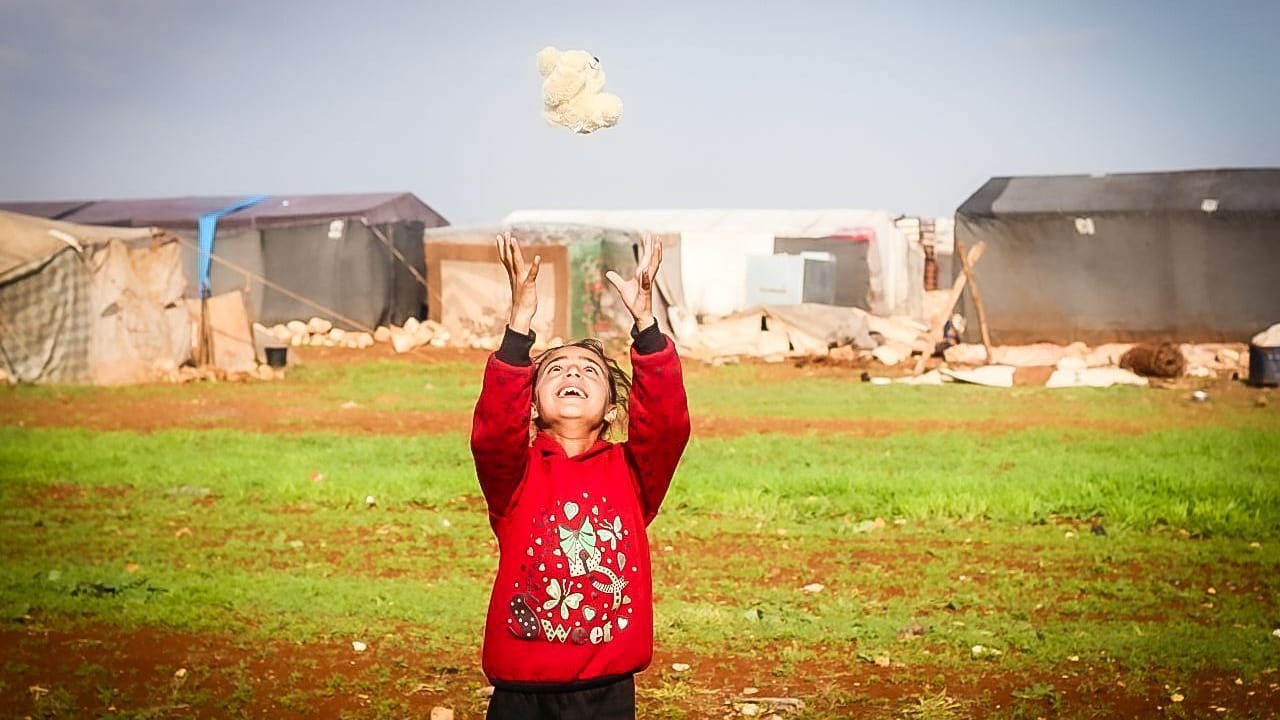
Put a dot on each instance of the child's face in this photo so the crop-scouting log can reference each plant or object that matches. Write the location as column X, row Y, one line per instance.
column 572, row 386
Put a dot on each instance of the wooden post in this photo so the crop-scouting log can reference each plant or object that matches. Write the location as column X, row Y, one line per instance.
column 977, row 299
column 968, row 261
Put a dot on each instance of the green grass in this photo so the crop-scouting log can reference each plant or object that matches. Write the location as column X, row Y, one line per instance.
column 284, row 555
column 986, row 539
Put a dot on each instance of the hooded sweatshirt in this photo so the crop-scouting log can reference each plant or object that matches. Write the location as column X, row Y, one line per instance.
column 572, row 603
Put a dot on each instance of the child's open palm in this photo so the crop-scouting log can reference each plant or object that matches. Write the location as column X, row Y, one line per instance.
column 524, row 289
column 637, row 292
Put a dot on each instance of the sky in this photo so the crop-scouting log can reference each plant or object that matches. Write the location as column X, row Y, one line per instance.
column 904, row 106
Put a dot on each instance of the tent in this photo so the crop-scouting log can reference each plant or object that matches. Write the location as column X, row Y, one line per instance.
column 1192, row 256
column 84, row 304
column 469, row 292
column 873, row 261
column 353, row 259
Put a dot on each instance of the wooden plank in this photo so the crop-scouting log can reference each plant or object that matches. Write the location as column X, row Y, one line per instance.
column 935, row 335
column 977, row 299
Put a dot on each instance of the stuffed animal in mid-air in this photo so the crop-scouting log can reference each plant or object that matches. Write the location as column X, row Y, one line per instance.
column 573, row 91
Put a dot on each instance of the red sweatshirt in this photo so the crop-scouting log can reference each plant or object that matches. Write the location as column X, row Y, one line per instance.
column 572, row 603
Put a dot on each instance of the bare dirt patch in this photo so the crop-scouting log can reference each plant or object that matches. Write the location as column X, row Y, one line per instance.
column 90, row 670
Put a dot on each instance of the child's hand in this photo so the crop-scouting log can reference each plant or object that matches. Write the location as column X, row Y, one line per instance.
column 524, row 291
column 637, row 292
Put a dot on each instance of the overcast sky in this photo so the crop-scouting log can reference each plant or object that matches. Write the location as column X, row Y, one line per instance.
column 904, row 106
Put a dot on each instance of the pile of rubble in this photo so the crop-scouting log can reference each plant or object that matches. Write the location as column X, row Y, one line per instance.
column 1201, row 360
column 318, row 332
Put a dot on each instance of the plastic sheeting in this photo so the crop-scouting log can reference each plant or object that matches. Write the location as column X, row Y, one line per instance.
column 715, row 244
column 89, row 305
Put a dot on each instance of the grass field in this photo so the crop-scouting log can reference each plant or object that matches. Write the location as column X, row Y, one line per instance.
column 208, row 550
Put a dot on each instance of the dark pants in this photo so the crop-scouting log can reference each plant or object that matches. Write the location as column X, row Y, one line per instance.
column 615, row 701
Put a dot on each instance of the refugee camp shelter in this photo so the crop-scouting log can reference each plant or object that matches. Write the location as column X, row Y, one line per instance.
column 469, row 291
column 82, row 304
column 875, row 268
column 1191, row 256
column 353, row 259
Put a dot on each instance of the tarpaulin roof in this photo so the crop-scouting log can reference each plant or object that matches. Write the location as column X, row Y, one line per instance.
column 777, row 223
column 185, row 212
column 1246, row 190
column 27, row 241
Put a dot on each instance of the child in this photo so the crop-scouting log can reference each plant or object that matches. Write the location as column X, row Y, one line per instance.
column 570, row 618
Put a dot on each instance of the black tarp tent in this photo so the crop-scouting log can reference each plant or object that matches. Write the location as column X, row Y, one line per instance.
column 1192, row 256
column 336, row 251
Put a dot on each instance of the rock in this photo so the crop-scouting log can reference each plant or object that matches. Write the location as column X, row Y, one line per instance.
column 403, row 341
column 813, row 588
column 911, row 632
column 1107, row 355
column 892, row 353
column 297, row 340
column 281, row 333
column 362, row 339
column 1097, row 377
column 1034, row 355
column 843, row 353
column 319, row 325
column 989, row 375
column 337, row 335
column 382, row 334
column 749, row 709
column 933, row 377
column 441, row 713
column 680, row 667
column 1268, row 338
column 411, row 325
column 1077, row 350
column 965, row 354
column 1072, row 363
column 358, row 646
column 296, row 327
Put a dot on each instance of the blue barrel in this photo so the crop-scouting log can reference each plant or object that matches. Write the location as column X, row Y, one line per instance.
column 1264, row 366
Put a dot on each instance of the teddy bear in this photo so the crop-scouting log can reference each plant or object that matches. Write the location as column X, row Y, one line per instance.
column 573, row 91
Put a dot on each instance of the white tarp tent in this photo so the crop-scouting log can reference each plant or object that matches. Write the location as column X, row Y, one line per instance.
column 723, row 240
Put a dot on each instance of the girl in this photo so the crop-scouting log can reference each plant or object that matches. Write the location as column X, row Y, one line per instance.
column 570, row 617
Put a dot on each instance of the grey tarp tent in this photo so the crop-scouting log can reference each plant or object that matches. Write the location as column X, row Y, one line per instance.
column 84, row 304
column 358, row 255
column 1191, row 256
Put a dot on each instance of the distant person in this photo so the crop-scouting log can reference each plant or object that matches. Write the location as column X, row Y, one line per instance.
column 570, row 617
column 951, row 333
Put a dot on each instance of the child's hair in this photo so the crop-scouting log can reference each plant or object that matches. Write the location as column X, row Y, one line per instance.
column 619, row 382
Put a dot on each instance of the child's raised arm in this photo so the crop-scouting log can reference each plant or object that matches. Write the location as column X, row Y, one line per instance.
column 500, row 425
column 524, row 289
column 658, row 410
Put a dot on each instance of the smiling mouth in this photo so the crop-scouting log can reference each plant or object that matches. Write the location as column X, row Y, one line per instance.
column 571, row 391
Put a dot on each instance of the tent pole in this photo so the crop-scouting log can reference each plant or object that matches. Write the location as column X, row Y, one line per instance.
column 977, row 299
column 204, row 347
